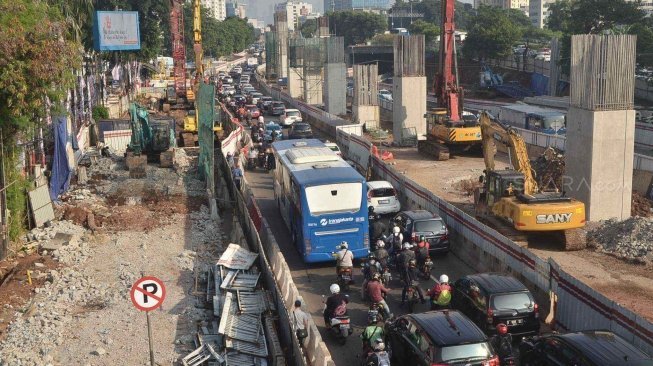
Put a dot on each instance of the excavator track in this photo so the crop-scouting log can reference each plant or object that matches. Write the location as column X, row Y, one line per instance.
column 503, row 228
column 433, row 149
column 574, row 239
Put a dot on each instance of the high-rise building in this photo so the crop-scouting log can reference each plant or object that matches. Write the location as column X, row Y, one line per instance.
column 295, row 10
column 336, row 5
column 505, row 4
column 538, row 11
column 217, row 8
column 235, row 9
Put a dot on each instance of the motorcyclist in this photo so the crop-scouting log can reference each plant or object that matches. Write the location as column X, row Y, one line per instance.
column 377, row 228
column 375, row 291
column 261, row 120
column 380, row 356
column 422, row 250
column 336, row 305
column 252, row 155
column 409, row 276
column 373, row 331
column 369, row 269
column 371, row 216
column 381, row 254
column 440, row 294
column 396, row 240
column 404, row 257
column 344, row 258
column 502, row 342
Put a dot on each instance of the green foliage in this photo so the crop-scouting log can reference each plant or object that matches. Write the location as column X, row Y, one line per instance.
column 432, row 10
column 16, row 201
column 429, row 30
column 644, row 34
column 382, row 40
column 309, row 28
column 356, row 26
column 492, row 34
column 100, row 112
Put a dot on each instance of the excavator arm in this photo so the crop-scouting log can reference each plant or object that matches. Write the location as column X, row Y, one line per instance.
column 494, row 130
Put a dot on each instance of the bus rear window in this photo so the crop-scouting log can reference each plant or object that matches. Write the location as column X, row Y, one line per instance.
column 334, row 198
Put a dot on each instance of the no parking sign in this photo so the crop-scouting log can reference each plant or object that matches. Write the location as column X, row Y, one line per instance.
column 148, row 293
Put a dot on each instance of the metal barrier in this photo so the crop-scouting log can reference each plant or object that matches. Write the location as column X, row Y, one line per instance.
column 276, row 270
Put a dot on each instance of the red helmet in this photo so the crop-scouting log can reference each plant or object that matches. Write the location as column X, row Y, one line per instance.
column 502, row 329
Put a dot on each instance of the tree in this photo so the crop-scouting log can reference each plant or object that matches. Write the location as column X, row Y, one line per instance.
column 432, row 10
column 592, row 16
column 429, row 30
column 356, row 26
column 492, row 34
column 309, row 28
column 644, row 34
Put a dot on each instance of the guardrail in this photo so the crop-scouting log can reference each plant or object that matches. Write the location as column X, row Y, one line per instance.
column 277, row 273
column 578, row 306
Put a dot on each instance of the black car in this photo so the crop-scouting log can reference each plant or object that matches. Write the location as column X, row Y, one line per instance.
column 588, row 348
column 421, row 222
column 239, row 98
column 300, row 131
column 277, row 108
column 438, row 338
column 492, row 298
column 263, row 103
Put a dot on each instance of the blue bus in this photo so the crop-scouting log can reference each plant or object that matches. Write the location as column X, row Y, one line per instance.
column 321, row 198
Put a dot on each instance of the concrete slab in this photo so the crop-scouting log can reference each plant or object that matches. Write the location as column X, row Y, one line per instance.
column 59, row 240
column 367, row 114
column 409, row 97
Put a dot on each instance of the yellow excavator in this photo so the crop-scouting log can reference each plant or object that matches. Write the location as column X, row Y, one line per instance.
column 511, row 201
column 445, row 136
column 190, row 133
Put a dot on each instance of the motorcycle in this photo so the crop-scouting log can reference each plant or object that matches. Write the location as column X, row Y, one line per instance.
column 339, row 326
column 507, row 361
column 377, row 311
column 426, row 267
column 345, row 278
column 386, row 276
column 251, row 164
column 412, row 295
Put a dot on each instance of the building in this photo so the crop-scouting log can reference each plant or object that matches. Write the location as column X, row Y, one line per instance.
column 217, row 8
column 294, row 9
column 646, row 5
column 505, row 4
column 538, row 12
column 337, row 5
column 234, row 9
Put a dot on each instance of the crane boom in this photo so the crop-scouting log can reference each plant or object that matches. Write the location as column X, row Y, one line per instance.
column 178, row 48
column 197, row 38
column 492, row 129
column 447, row 90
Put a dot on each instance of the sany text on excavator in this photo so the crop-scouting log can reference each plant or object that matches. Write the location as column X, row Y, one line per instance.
column 511, row 201
column 449, row 129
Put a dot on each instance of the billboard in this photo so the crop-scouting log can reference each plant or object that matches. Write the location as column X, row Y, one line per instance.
column 116, row 31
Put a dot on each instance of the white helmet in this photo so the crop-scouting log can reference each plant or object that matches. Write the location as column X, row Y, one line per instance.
column 407, row 245
column 378, row 345
column 344, row 245
column 380, row 244
column 335, row 289
column 444, row 278
column 396, row 230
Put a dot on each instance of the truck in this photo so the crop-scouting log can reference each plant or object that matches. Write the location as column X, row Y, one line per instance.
column 252, row 61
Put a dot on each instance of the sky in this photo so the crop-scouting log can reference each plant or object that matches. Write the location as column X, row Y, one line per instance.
column 263, row 9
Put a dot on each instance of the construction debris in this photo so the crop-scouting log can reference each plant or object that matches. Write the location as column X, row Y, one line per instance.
column 549, row 169
column 236, row 257
column 641, row 206
column 631, row 239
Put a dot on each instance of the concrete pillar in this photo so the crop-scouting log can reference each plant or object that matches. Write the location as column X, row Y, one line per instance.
column 365, row 105
column 313, row 86
column 281, row 26
column 335, row 76
column 295, row 83
column 601, row 125
column 323, row 26
column 409, row 89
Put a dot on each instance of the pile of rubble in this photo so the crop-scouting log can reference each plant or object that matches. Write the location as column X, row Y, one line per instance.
column 641, row 206
column 631, row 239
column 549, row 169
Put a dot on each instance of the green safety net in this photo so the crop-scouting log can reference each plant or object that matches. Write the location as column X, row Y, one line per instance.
column 205, row 105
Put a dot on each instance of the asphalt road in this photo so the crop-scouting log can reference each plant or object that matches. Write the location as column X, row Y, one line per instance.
column 314, row 280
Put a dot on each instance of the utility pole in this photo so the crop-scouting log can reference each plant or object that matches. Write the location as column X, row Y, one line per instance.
column 4, row 247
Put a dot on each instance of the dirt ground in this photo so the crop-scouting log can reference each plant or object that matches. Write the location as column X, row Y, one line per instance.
column 78, row 311
column 626, row 283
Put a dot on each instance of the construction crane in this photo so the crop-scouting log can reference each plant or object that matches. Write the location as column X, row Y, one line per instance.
column 177, row 95
column 511, row 201
column 448, row 128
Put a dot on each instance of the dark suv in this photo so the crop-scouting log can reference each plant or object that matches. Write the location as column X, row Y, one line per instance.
column 492, row 298
column 421, row 222
column 588, row 348
column 439, row 338
column 300, row 131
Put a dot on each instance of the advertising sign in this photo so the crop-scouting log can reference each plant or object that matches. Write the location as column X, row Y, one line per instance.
column 116, row 31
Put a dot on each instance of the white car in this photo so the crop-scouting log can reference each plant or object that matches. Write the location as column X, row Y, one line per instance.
column 334, row 147
column 291, row 116
column 383, row 197
column 385, row 94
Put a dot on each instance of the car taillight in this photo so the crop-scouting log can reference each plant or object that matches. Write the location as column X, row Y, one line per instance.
column 494, row 361
column 490, row 316
column 536, row 310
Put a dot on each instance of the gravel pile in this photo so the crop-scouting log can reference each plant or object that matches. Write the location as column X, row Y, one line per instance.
column 631, row 239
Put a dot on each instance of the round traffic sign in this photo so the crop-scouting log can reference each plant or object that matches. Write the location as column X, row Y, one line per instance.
column 148, row 293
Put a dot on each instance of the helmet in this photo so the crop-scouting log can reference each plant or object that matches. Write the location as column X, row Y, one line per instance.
column 371, row 256
column 370, row 209
column 412, row 263
column 376, row 276
column 502, row 329
column 344, row 245
column 380, row 244
column 407, row 245
column 396, row 230
column 444, row 278
column 422, row 238
column 378, row 345
column 335, row 289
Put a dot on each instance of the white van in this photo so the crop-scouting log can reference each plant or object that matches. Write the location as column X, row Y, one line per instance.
column 382, row 196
